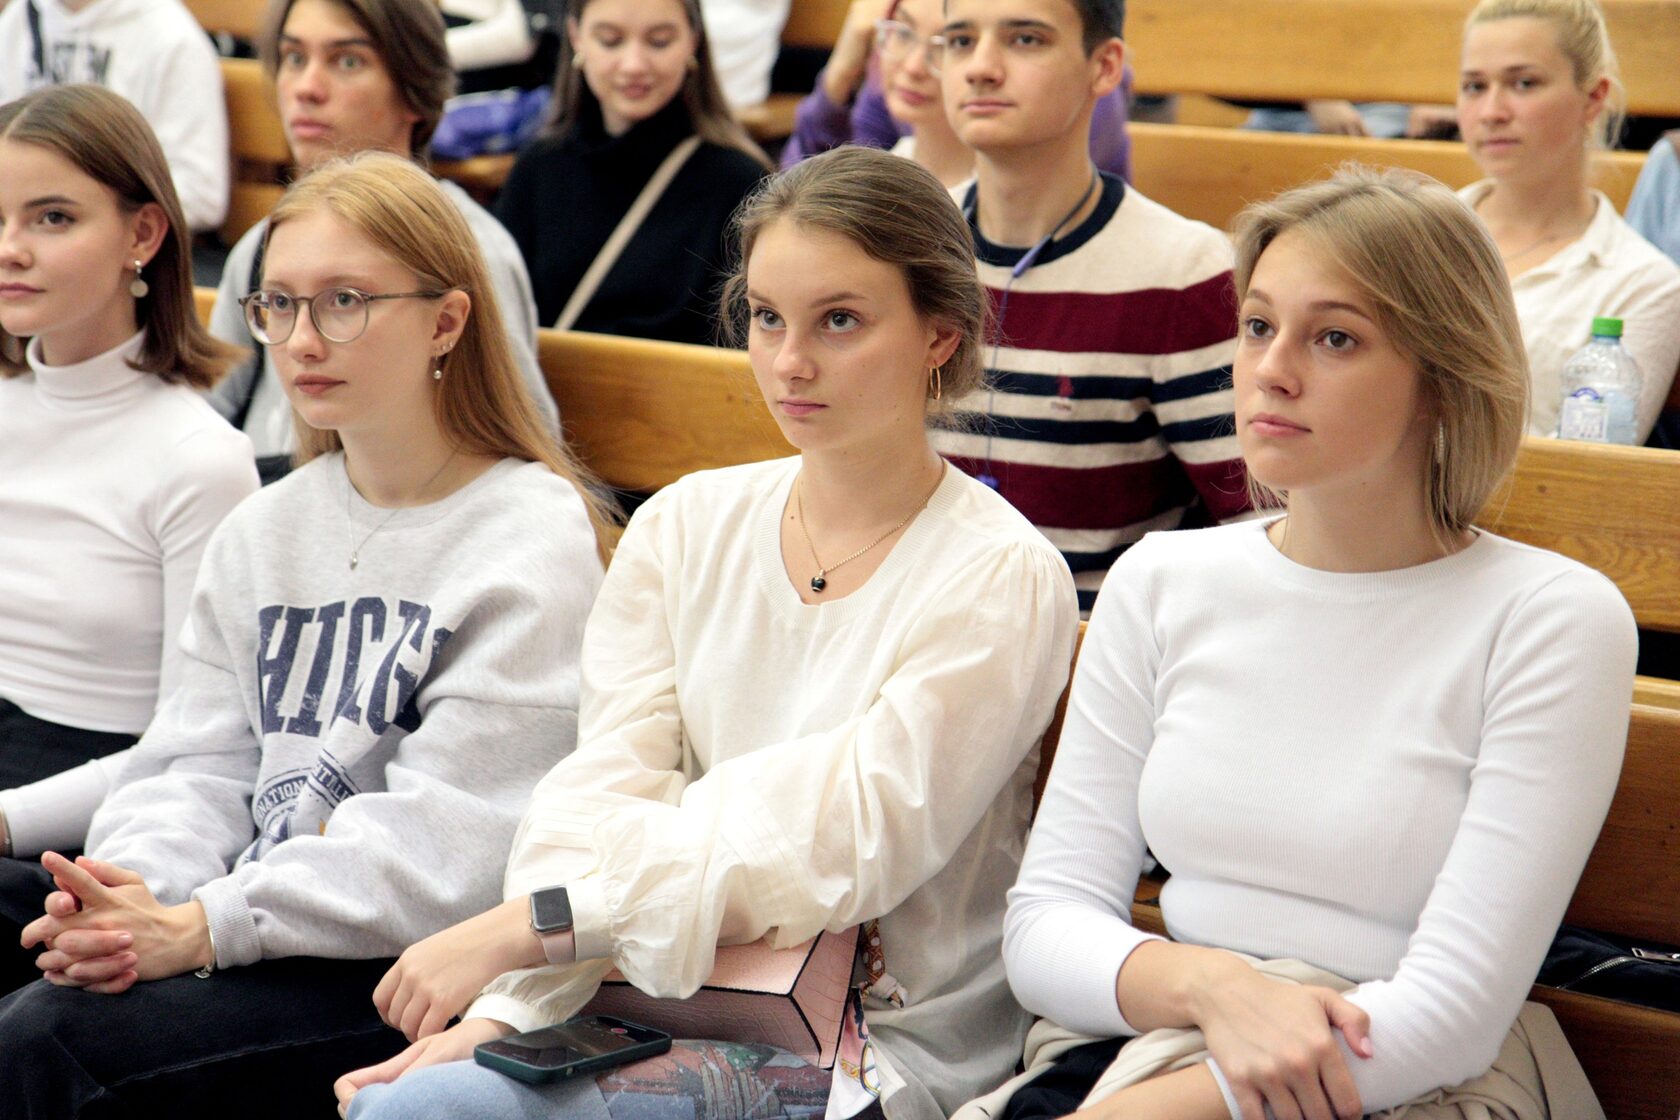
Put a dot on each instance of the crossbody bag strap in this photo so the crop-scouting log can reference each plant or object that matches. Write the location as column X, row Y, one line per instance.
column 626, row 229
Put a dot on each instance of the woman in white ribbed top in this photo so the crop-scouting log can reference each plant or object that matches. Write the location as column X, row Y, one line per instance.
column 773, row 744
column 1365, row 734
column 112, row 471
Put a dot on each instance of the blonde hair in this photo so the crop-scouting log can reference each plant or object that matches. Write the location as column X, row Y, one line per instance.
column 482, row 405
column 110, row 142
column 1438, row 290
column 898, row 213
column 1584, row 40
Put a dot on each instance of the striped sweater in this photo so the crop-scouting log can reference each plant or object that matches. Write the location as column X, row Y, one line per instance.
column 1108, row 412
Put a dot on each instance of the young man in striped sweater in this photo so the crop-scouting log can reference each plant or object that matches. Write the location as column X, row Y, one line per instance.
column 1109, row 411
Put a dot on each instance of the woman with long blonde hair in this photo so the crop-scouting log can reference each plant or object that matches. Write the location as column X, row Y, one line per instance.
column 382, row 659
column 1371, row 742
column 1538, row 94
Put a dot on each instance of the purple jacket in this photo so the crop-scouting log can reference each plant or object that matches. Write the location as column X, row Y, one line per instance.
column 820, row 124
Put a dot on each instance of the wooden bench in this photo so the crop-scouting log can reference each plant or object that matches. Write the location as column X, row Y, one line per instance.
column 1210, row 174
column 262, row 158
column 811, row 23
column 240, row 19
column 1361, row 50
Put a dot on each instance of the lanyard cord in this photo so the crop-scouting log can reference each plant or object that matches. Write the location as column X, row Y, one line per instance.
column 1028, row 259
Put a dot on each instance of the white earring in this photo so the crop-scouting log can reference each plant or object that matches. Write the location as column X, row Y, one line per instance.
column 138, row 286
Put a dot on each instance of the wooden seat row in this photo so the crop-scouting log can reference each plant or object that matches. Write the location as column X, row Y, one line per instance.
column 1361, row 50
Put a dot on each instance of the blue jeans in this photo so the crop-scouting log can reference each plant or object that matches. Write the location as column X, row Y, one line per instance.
column 695, row 1081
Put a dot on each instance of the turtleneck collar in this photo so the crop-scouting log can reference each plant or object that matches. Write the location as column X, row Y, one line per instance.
column 655, row 136
column 95, row 383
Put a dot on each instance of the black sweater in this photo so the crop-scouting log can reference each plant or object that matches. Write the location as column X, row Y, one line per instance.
column 565, row 196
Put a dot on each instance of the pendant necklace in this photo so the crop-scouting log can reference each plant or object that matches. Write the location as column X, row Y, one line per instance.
column 818, row 581
column 350, row 526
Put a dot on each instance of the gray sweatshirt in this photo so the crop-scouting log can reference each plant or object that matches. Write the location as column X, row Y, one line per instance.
column 269, row 421
column 342, row 768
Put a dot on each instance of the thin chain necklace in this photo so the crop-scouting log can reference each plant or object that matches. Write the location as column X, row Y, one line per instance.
column 1520, row 254
column 818, row 582
column 349, row 525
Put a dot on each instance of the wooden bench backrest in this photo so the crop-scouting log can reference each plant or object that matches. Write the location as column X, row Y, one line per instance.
column 1210, row 174
column 243, row 19
column 261, row 155
column 815, row 23
column 643, row 414
column 1616, row 509
column 1362, row 50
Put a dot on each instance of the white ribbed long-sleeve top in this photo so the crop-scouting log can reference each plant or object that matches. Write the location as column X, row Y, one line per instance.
column 1396, row 776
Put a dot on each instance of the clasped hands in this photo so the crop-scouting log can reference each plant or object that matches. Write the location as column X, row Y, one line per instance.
column 103, row 931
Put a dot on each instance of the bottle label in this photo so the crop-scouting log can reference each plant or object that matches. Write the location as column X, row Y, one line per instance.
column 1585, row 416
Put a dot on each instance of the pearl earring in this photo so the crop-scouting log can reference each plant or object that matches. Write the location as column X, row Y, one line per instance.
column 138, row 286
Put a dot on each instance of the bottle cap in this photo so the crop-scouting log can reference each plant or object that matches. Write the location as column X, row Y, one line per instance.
column 1606, row 327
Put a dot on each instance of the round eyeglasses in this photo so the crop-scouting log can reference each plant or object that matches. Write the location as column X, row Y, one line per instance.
column 894, row 40
column 339, row 314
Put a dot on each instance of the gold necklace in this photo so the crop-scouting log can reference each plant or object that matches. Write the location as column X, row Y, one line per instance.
column 818, row 582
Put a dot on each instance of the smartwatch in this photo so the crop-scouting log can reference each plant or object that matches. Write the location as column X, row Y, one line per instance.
column 551, row 922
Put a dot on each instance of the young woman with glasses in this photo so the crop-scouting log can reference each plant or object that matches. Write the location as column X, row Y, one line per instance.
column 381, row 661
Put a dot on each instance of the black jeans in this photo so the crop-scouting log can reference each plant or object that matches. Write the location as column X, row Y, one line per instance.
column 263, row 1041
column 32, row 749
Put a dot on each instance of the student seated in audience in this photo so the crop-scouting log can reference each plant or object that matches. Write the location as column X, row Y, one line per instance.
column 638, row 123
column 1107, row 412
column 812, row 689
column 155, row 54
column 1537, row 94
column 113, row 471
column 1364, row 735
column 879, row 89
column 352, row 76
column 381, row 661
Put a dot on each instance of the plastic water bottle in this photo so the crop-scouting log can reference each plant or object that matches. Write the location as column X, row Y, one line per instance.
column 1601, row 389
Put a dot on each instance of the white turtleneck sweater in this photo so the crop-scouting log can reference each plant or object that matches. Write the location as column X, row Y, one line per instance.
column 111, row 481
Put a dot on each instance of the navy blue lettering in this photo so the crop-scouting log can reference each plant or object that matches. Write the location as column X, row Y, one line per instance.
column 305, row 722
column 409, row 717
column 366, row 610
column 415, row 619
column 273, row 672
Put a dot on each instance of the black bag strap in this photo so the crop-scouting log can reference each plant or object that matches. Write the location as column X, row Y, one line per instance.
column 251, row 284
column 37, row 48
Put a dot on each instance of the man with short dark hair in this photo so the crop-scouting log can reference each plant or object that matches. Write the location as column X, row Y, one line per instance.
column 1109, row 411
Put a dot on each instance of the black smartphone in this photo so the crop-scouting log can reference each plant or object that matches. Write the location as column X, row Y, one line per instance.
column 577, row 1046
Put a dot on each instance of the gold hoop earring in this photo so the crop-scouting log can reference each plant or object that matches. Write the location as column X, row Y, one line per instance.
column 138, row 286
column 936, row 381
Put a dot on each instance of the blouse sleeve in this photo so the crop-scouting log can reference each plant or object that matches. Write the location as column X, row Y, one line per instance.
column 794, row 837
column 1068, row 927
column 1555, row 699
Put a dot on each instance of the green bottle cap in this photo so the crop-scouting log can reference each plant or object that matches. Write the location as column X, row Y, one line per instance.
column 1606, row 327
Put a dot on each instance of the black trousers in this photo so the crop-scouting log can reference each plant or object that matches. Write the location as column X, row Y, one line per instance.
column 1059, row 1090
column 257, row 1042
column 32, row 749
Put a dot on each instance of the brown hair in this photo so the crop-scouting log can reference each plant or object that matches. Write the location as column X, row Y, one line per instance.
column 110, row 142
column 408, row 37
column 1583, row 39
column 702, row 96
column 1438, row 289
column 897, row 212
column 482, row 405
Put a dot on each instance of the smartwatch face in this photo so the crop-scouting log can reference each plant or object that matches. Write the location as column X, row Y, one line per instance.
column 551, row 910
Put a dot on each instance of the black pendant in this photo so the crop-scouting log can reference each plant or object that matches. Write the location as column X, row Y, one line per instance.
column 818, row 583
